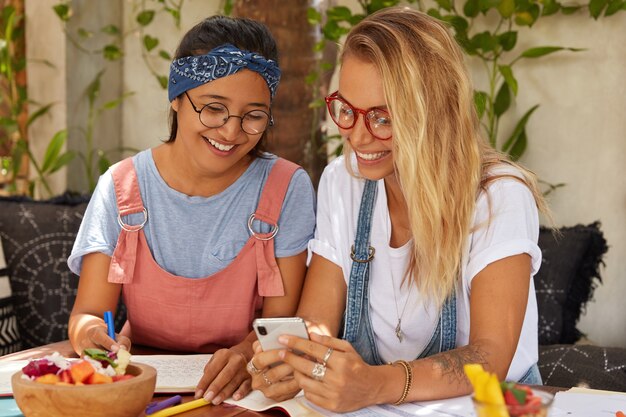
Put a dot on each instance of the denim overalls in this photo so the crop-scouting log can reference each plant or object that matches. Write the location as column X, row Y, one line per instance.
column 357, row 323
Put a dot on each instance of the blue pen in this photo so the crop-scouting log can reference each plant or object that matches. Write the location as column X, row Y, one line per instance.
column 108, row 319
column 154, row 407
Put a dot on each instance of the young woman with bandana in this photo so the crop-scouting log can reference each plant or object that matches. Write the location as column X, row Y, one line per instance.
column 204, row 232
column 426, row 239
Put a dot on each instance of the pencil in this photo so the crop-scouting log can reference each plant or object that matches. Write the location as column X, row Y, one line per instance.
column 108, row 319
column 181, row 408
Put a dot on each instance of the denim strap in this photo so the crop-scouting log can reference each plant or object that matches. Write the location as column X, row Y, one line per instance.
column 362, row 254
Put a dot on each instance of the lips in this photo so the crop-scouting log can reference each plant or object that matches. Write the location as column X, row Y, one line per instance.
column 371, row 156
column 218, row 146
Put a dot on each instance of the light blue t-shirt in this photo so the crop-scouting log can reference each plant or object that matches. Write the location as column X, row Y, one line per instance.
column 192, row 236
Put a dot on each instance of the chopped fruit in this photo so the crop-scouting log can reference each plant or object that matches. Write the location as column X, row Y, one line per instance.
column 97, row 378
column 66, row 376
column 123, row 359
column 122, row 377
column 48, row 379
column 81, row 370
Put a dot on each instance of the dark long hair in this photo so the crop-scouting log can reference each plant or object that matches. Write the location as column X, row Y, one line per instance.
column 245, row 34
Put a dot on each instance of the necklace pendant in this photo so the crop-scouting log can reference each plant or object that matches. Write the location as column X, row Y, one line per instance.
column 399, row 334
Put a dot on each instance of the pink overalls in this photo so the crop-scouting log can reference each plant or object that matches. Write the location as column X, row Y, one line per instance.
column 187, row 314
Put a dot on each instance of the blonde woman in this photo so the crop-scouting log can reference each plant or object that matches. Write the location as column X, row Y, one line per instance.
column 426, row 239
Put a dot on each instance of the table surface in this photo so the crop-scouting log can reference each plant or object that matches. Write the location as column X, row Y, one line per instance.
column 225, row 410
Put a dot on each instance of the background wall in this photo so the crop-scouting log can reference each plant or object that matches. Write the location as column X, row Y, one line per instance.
column 576, row 136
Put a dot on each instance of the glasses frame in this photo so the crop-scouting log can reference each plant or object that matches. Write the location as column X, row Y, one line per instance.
column 270, row 118
column 335, row 96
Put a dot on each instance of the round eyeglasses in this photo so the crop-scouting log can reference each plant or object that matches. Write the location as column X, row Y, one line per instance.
column 215, row 114
column 344, row 114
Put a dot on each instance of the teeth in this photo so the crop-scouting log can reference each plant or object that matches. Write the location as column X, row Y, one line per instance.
column 220, row 146
column 371, row 156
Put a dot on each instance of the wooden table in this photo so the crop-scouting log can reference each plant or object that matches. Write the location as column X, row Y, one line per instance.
column 224, row 410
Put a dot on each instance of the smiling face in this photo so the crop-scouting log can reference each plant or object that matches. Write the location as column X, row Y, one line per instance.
column 361, row 85
column 222, row 151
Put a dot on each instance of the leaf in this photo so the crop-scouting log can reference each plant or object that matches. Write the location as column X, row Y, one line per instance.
column 614, row 7
column 518, row 131
column 503, row 100
column 486, row 5
column 470, row 9
column 40, row 112
column 506, row 8
column 103, row 164
column 84, row 33
column 93, row 89
column 507, row 40
column 175, row 13
column 507, row 73
column 485, row 41
column 145, row 17
column 524, row 19
column 313, row 16
column 339, row 13
column 53, row 149
column 519, row 147
column 545, row 50
column 62, row 161
column 63, row 11
column 110, row 30
column 596, row 7
column 480, row 101
column 112, row 52
column 570, row 9
column 445, row 4
column 114, row 103
column 228, row 7
column 550, row 7
column 165, row 55
column 316, row 104
column 150, row 43
column 162, row 79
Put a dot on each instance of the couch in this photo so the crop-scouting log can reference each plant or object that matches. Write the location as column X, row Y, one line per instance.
column 38, row 236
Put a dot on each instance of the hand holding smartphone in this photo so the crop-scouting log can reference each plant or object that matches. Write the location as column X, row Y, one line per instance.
column 268, row 329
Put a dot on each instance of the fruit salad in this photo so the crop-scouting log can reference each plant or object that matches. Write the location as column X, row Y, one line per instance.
column 96, row 367
column 503, row 399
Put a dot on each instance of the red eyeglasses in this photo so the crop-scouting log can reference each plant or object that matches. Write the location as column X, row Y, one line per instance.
column 344, row 114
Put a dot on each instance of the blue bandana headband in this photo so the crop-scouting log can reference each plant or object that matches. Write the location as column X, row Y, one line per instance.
column 193, row 71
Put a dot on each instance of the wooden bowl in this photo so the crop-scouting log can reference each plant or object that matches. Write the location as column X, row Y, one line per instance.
column 121, row 399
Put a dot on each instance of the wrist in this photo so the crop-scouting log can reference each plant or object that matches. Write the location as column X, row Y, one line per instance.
column 394, row 384
column 244, row 349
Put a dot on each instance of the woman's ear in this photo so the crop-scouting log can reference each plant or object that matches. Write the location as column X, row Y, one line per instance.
column 174, row 104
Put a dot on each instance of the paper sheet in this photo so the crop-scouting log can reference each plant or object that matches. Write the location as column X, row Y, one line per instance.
column 175, row 373
column 7, row 369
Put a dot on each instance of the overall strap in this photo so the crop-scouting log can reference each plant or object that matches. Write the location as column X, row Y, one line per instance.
column 362, row 254
column 444, row 336
column 129, row 202
column 270, row 283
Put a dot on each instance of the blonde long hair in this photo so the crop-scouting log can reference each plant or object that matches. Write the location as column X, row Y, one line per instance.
column 441, row 161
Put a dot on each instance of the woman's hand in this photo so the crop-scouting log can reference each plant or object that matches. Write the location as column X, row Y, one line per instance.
column 98, row 337
column 332, row 374
column 275, row 382
column 225, row 375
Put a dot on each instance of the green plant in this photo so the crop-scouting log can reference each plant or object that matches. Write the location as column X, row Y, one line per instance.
column 14, row 121
column 493, row 46
column 94, row 160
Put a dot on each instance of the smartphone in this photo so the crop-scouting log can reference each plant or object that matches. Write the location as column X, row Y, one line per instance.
column 268, row 330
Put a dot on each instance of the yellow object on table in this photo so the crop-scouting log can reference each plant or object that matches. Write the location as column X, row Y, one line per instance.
column 486, row 391
column 177, row 409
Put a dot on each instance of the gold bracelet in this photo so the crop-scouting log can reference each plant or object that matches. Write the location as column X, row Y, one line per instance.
column 408, row 381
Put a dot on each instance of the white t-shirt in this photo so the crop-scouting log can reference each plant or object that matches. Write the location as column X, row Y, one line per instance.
column 513, row 229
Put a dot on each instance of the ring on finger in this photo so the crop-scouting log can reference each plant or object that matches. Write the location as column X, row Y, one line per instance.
column 327, row 356
column 318, row 372
column 252, row 370
column 266, row 379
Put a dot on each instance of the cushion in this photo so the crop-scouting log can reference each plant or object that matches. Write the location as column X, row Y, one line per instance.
column 9, row 336
column 583, row 365
column 568, row 275
column 37, row 237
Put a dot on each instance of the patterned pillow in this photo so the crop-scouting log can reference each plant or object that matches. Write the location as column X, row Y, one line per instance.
column 565, row 282
column 9, row 336
column 583, row 365
column 38, row 237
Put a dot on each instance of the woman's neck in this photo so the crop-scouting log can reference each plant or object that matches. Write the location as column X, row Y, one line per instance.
column 398, row 213
column 187, row 179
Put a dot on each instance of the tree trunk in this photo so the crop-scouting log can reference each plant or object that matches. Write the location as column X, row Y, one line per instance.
column 297, row 134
